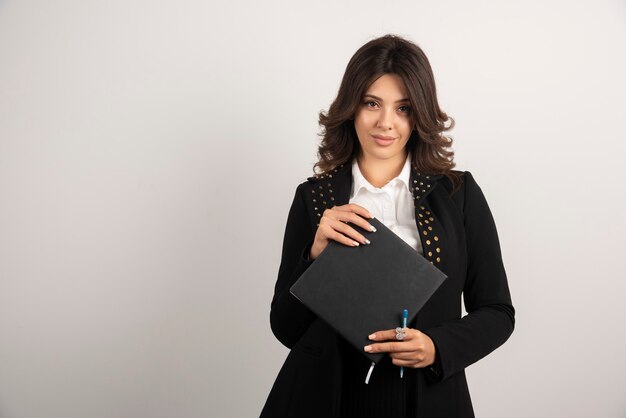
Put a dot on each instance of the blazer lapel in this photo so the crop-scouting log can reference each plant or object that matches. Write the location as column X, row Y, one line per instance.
column 430, row 229
column 331, row 189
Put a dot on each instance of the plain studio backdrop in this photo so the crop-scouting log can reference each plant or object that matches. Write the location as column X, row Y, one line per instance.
column 149, row 153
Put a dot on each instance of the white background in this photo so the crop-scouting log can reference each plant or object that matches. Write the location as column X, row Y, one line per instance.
column 149, row 152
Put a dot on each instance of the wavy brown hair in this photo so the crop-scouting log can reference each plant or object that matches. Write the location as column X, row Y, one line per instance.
column 428, row 146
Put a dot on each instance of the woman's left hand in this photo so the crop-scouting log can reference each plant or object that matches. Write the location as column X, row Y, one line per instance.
column 415, row 350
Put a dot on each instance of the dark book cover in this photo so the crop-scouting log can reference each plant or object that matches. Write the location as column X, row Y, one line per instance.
column 359, row 290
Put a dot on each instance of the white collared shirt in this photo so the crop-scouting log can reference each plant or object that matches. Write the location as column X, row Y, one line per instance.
column 392, row 204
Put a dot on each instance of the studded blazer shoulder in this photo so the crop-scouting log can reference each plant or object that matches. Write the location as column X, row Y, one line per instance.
column 458, row 235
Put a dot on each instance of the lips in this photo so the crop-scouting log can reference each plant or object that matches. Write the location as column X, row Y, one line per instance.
column 383, row 140
column 383, row 137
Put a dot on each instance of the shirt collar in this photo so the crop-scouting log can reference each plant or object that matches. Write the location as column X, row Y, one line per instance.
column 358, row 181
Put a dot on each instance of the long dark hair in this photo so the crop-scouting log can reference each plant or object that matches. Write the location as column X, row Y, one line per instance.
column 389, row 54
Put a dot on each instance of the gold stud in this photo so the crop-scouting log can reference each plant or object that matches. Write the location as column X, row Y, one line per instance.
column 421, row 207
column 314, row 200
column 431, row 218
column 427, row 242
column 332, row 198
column 425, row 233
column 420, row 215
column 436, row 238
column 427, row 212
column 319, row 214
column 438, row 259
column 426, row 220
column 420, row 223
column 438, row 249
column 430, row 228
column 430, row 253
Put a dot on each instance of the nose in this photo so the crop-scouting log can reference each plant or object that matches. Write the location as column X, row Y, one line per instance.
column 386, row 119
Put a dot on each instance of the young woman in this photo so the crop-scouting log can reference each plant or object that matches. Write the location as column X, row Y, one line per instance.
column 384, row 154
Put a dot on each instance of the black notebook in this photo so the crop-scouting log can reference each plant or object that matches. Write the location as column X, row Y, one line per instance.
column 359, row 290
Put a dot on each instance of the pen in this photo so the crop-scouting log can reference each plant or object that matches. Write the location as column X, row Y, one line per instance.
column 405, row 315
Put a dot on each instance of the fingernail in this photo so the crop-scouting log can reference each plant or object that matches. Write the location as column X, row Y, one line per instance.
column 373, row 228
column 368, row 348
column 372, row 215
column 367, row 241
column 356, row 244
column 372, row 336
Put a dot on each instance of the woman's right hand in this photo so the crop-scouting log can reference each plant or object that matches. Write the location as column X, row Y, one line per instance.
column 333, row 225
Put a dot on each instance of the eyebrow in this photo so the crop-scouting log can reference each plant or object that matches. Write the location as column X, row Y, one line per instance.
column 378, row 98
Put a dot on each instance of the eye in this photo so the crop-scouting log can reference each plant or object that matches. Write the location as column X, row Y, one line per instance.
column 368, row 103
column 408, row 109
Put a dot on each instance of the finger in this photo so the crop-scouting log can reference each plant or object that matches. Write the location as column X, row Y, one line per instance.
column 346, row 216
column 388, row 347
column 390, row 334
column 416, row 356
column 330, row 233
column 359, row 221
column 405, row 363
column 358, row 209
column 347, row 230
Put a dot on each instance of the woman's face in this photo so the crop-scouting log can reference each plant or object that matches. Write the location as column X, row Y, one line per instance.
column 384, row 110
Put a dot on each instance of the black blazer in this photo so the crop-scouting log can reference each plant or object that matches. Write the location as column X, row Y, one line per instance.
column 458, row 235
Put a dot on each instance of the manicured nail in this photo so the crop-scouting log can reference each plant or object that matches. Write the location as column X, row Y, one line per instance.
column 356, row 244
column 368, row 348
column 373, row 228
column 367, row 241
column 372, row 336
column 372, row 215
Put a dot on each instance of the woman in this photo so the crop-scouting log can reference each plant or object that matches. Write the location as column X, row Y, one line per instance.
column 384, row 154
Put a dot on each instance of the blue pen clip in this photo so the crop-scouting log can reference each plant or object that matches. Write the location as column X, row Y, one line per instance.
column 405, row 316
